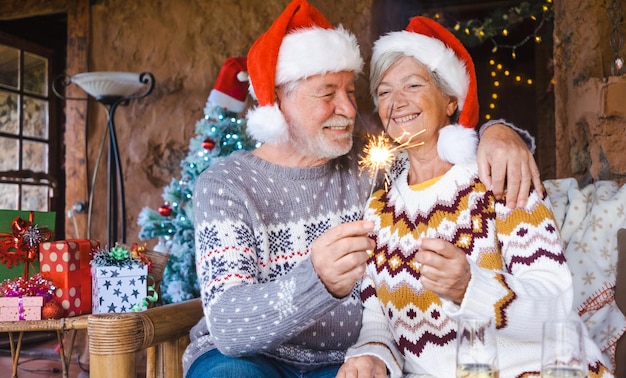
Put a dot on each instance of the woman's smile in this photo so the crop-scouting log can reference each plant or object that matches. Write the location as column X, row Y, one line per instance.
column 405, row 118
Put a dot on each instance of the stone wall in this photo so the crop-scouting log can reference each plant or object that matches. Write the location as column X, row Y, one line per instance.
column 590, row 105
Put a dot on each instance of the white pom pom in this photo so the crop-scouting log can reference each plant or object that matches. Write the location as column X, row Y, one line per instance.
column 267, row 124
column 242, row 76
column 457, row 144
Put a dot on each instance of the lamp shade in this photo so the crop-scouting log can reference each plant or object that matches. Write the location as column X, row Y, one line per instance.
column 108, row 83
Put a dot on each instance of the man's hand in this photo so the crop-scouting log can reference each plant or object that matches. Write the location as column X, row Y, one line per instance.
column 363, row 367
column 506, row 165
column 339, row 256
column 445, row 270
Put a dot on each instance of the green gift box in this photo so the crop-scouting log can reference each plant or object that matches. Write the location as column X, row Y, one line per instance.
column 40, row 219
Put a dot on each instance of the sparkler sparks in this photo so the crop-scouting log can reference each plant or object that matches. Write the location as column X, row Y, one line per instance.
column 380, row 152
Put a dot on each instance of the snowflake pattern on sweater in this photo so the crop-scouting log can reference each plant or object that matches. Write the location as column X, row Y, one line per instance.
column 518, row 275
column 255, row 222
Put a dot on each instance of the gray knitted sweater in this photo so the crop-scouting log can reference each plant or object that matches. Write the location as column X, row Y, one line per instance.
column 254, row 224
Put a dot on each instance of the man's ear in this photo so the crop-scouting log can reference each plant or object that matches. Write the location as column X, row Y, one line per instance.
column 278, row 97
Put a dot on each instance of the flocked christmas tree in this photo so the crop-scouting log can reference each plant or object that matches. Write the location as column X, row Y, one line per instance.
column 220, row 132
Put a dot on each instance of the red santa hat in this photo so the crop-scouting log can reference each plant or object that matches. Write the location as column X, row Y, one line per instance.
column 231, row 87
column 300, row 43
column 438, row 49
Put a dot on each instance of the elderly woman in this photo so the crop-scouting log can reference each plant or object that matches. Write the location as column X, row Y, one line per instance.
column 445, row 247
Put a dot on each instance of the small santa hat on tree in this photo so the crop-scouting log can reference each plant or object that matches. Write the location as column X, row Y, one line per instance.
column 231, row 86
column 437, row 48
column 300, row 43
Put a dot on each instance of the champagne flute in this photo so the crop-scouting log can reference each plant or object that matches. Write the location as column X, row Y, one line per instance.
column 477, row 351
column 563, row 350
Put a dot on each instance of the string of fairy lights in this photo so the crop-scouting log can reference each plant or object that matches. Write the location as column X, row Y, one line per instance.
column 499, row 73
column 495, row 29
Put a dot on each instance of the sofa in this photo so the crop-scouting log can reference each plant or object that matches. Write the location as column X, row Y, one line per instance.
column 590, row 219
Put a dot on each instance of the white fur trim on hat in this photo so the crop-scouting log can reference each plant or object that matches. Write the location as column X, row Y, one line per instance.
column 225, row 101
column 457, row 144
column 431, row 52
column 314, row 51
column 267, row 124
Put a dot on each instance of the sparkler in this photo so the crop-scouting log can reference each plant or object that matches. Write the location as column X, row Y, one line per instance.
column 378, row 154
column 380, row 151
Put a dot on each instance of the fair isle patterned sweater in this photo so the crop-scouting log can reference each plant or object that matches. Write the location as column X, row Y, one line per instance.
column 519, row 276
column 254, row 224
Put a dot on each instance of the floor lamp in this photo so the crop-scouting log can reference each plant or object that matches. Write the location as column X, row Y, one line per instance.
column 112, row 89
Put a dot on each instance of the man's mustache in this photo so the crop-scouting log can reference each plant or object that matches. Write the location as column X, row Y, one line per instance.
column 338, row 122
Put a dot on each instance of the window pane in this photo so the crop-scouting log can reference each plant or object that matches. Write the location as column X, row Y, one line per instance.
column 35, row 118
column 9, row 154
column 8, row 113
column 9, row 66
column 35, row 74
column 34, row 198
column 8, row 196
column 35, row 156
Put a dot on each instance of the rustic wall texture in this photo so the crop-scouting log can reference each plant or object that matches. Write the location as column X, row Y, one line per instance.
column 590, row 105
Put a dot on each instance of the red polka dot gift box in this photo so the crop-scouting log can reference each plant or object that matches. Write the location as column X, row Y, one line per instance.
column 66, row 263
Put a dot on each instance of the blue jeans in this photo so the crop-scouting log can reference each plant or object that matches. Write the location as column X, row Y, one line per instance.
column 214, row 364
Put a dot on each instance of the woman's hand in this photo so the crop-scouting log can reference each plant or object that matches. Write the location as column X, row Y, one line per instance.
column 363, row 367
column 445, row 270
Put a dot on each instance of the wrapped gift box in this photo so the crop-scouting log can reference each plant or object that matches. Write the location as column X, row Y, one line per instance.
column 20, row 308
column 41, row 219
column 118, row 289
column 66, row 263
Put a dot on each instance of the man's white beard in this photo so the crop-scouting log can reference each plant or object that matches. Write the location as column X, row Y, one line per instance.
column 319, row 146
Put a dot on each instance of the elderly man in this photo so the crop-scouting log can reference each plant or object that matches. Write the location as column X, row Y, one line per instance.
column 280, row 243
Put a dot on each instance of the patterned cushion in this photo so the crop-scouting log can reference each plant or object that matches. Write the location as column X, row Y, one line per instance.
column 589, row 219
column 620, row 299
